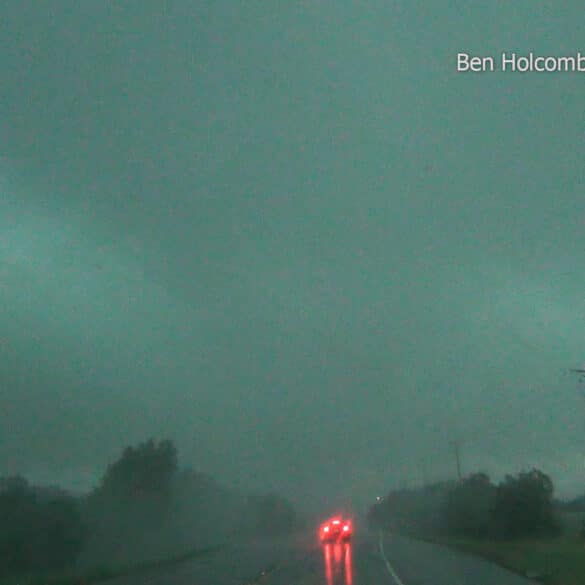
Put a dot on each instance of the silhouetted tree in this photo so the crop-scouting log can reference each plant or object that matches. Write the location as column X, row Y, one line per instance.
column 524, row 506
column 131, row 508
column 145, row 469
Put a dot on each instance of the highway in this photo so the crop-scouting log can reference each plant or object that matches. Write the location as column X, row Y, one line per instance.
column 369, row 560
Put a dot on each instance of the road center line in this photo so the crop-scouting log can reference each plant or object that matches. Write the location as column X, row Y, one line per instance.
column 387, row 562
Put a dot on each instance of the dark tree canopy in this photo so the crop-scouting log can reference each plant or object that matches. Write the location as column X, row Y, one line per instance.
column 524, row 505
column 142, row 470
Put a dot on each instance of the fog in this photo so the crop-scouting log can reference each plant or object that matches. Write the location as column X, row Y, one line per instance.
column 292, row 239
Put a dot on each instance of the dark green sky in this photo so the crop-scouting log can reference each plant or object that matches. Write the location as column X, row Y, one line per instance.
column 292, row 238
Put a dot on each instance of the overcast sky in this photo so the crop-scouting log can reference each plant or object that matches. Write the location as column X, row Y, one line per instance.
column 292, row 238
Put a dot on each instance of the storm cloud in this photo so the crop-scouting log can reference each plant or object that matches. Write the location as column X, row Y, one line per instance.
column 291, row 238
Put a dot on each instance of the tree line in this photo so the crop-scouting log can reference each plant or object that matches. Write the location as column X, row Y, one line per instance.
column 144, row 506
column 519, row 506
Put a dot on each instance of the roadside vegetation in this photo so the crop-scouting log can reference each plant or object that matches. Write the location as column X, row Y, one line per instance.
column 96, row 574
column 144, row 508
column 516, row 523
column 554, row 561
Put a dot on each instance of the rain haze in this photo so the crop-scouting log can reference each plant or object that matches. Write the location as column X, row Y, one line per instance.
column 293, row 239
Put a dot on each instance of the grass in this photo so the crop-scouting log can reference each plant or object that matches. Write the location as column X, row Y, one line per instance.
column 555, row 561
column 98, row 574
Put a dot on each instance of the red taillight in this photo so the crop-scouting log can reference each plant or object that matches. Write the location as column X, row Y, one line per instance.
column 326, row 529
column 346, row 528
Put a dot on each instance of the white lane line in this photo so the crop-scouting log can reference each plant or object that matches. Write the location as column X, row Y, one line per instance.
column 387, row 563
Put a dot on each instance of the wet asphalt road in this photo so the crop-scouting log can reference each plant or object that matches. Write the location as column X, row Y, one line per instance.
column 369, row 560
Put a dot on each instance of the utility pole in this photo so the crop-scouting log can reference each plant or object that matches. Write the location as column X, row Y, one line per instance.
column 455, row 445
